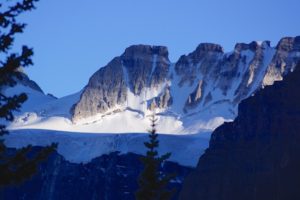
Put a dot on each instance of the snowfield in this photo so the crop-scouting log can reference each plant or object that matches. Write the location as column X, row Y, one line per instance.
column 44, row 120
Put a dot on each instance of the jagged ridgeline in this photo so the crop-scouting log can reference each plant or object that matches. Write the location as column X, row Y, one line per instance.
column 143, row 78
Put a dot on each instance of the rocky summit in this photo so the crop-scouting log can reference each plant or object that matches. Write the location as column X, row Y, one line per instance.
column 144, row 79
column 138, row 68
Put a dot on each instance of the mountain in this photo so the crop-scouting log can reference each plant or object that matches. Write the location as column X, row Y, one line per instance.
column 100, row 129
column 193, row 96
column 143, row 79
column 257, row 156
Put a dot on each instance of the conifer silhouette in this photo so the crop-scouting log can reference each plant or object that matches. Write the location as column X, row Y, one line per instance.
column 152, row 183
column 15, row 166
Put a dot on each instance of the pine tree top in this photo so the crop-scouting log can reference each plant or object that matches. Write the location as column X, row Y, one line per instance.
column 152, row 181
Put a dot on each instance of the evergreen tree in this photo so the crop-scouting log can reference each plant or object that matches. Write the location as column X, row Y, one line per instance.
column 152, row 183
column 15, row 166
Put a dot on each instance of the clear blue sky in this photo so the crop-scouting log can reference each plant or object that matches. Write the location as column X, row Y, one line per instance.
column 74, row 38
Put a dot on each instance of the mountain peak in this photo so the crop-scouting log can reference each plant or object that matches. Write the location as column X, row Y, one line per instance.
column 142, row 73
column 252, row 46
column 207, row 83
column 139, row 50
column 209, row 47
column 288, row 43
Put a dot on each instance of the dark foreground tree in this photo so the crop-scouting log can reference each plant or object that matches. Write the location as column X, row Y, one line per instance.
column 152, row 183
column 15, row 166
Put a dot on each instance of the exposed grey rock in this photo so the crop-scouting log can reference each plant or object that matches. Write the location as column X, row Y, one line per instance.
column 153, row 104
column 202, row 60
column 160, row 73
column 232, row 76
column 205, row 50
column 196, row 96
column 139, row 67
column 285, row 59
column 251, row 77
column 164, row 100
column 106, row 89
column 230, row 67
column 237, row 74
column 185, row 70
column 253, row 46
column 147, row 66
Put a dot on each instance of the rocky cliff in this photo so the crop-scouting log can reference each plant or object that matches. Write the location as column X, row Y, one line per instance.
column 139, row 67
column 258, row 155
column 143, row 79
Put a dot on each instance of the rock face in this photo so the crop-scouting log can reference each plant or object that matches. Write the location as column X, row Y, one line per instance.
column 195, row 97
column 214, row 77
column 258, row 155
column 143, row 78
column 284, row 59
column 163, row 100
column 139, row 67
column 201, row 61
column 112, row 177
column 146, row 66
column 106, row 89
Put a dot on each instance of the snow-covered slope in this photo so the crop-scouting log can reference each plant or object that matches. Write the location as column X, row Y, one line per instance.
column 83, row 147
column 190, row 97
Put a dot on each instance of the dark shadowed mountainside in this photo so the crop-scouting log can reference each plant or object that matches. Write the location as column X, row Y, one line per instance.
column 111, row 177
column 258, row 155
